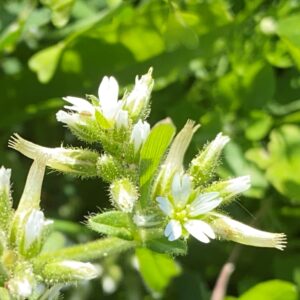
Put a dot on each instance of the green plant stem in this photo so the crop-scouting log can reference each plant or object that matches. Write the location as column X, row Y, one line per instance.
column 86, row 252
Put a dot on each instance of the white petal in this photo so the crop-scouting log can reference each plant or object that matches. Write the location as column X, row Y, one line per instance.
column 181, row 188
column 238, row 185
column 122, row 119
column 108, row 91
column 165, row 205
column 204, row 203
column 79, row 105
column 69, row 119
column 200, row 230
column 173, row 230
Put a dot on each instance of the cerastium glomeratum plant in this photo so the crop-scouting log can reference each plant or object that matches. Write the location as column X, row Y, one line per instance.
column 157, row 202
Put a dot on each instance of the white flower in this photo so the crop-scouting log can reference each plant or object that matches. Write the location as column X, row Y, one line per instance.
column 185, row 213
column 139, row 134
column 237, row 185
column 80, row 110
column 110, row 106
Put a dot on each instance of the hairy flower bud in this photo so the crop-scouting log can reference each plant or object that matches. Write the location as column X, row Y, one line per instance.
column 79, row 162
column 228, row 229
column 139, row 134
column 21, row 286
column 69, row 271
column 231, row 188
column 5, row 201
column 137, row 101
column 31, row 233
column 124, row 194
column 108, row 168
column 204, row 164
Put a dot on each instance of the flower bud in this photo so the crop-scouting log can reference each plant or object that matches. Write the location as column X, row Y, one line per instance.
column 228, row 229
column 5, row 201
column 229, row 189
column 69, row 271
column 30, row 199
column 21, row 286
column 137, row 101
column 204, row 164
column 124, row 194
column 31, row 233
column 79, row 162
column 82, row 125
column 108, row 168
column 139, row 134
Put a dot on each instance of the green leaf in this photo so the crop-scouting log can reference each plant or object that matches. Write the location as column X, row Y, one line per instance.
column 287, row 29
column 45, row 62
column 259, row 125
column 60, row 11
column 162, row 245
column 271, row 290
column 283, row 170
column 113, row 223
column 151, row 155
column 156, row 269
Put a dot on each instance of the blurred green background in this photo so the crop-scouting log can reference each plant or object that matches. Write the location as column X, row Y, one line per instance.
column 231, row 65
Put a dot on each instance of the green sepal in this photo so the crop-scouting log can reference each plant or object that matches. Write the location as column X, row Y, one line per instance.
column 113, row 223
column 93, row 99
column 162, row 245
column 102, row 121
column 151, row 155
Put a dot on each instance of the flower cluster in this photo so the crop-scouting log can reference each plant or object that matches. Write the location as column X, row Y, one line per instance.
column 156, row 199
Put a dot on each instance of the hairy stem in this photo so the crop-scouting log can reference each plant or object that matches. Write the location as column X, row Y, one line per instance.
column 86, row 252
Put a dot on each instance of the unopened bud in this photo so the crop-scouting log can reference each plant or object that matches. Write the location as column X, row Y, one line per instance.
column 79, row 162
column 137, row 101
column 22, row 284
column 228, row 229
column 32, row 233
column 5, row 201
column 139, row 134
column 229, row 189
column 69, row 271
column 204, row 164
column 124, row 194
column 108, row 168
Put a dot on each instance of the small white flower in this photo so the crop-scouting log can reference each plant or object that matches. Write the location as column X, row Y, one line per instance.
column 185, row 213
column 4, row 179
column 139, row 134
column 108, row 92
column 80, row 110
column 111, row 108
column 238, row 185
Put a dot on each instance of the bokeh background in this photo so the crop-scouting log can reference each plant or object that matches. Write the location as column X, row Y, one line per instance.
column 232, row 66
